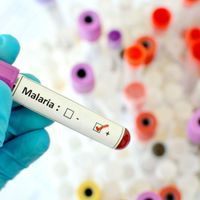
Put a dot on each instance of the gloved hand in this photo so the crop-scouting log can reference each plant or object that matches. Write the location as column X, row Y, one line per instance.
column 22, row 135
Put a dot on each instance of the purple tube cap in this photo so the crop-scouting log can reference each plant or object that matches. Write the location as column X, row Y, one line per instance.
column 82, row 78
column 8, row 74
column 149, row 196
column 114, row 39
column 89, row 26
column 193, row 128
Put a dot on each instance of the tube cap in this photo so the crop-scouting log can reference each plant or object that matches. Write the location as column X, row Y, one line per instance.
column 195, row 52
column 170, row 192
column 148, row 195
column 82, row 78
column 146, row 124
column 190, row 2
column 192, row 35
column 150, row 45
column 114, row 39
column 193, row 128
column 135, row 55
column 89, row 26
column 8, row 74
column 161, row 18
column 89, row 190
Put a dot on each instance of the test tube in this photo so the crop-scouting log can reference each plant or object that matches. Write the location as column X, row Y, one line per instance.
column 190, row 2
column 89, row 190
column 192, row 35
column 83, row 83
column 114, row 40
column 148, row 196
column 193, row 128
column 135, row 94
column 195, row 54
column 58, row 108
column 161, row 19
column 192, row 66
column 146, row 125
column 83, row 80
column 89, row 28
column 134, row 57
column 170, row 192
column 149, row 43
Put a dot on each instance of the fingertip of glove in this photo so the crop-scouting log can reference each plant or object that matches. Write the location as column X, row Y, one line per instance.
column 9, row 48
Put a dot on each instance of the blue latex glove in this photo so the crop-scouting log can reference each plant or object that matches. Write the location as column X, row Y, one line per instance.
column 22, row 135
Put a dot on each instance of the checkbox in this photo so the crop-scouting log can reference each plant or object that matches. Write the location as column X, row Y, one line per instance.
column 95, row 127
column 69, row 113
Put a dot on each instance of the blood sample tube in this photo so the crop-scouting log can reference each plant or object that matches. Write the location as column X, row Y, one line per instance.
column 150, row 45
column 170, row 192
column 58, row 108
column 146, row 125
column 148, row 196
column 161, row 19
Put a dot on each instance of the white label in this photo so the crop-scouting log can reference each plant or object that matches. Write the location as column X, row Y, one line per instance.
column 65, row 111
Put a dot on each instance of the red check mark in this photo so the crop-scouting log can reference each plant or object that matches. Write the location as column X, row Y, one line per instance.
column 98, row 129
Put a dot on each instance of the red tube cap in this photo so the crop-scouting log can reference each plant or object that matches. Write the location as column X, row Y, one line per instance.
column 170, row 192
column 192, row 35
column 146, row 124
column 161, row 18
column 135, row 55
column 195, row 52
column 150, row 46
column 190, row 2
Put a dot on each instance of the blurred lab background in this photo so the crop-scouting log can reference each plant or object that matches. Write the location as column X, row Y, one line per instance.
column 144, row 59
